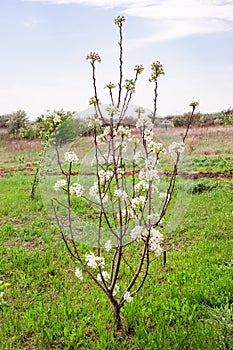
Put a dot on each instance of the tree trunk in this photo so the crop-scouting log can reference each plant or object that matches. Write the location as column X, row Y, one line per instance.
column 117, row 316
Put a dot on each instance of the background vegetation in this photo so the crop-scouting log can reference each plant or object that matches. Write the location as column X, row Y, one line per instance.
column 186, row 304
column 18, row 125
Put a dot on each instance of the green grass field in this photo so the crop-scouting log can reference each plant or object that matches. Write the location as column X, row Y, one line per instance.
column 186, row 304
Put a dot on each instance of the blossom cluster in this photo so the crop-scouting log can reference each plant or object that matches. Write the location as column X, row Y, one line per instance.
column 148, row 134
column 103, row 136
column 77, row 189
column 110, row 86
column 119, row 20
column 112, row 110
column 108, row 245
column 138, row 202
column 194, row 104
column 176, row 147
column 138, row 68
column 129, row 85
column 156, row 147
column 150, row 172
column 94, row 261
column 128, row 297
column 93, row 101
column 93, row 122
column 121, row 194
column 155, row 242
column 58, row 184
column 56, row 118
column 141, row 186
column 94, row 192
column 107, row 131
column 93, row 56
column 157, row 70
column 144, row 122
column 71, row 157
column 137, row 232
column 105, row 175
column 124, row 131
column 79, row 274
column 106, row 276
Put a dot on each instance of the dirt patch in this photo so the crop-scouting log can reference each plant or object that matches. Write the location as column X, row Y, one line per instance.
column 24, row 170
column 18, row 168
column 205, row 174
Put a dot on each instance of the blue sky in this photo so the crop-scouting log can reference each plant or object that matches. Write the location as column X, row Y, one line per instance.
column 44, row 45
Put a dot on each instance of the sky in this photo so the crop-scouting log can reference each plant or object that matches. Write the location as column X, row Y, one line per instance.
column 44, row 44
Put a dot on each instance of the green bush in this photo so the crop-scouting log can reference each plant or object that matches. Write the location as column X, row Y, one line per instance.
column 17, row 121
column 4, row 120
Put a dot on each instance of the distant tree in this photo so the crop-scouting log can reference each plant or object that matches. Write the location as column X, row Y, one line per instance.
column 17, row 122
column 228, row 116
column 59, row 123
column 4, row 120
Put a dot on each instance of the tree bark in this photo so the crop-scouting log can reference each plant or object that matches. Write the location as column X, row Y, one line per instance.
column 117, row 316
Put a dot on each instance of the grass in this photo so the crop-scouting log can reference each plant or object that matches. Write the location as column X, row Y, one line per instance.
column 186, row 304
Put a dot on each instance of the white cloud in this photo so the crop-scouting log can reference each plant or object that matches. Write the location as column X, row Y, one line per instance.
column 173, row 18
column 184, row 9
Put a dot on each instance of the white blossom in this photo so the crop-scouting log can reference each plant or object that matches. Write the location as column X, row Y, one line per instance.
column 106, row 276
column 104, row 197
column 93, row 56
column 77, row 189
column 176, row 147
column 107, row 131
column 94, row 261
column 108, row 245
column 157, row 249
column 133, row 214
column 79, row 274
column 156, row 147
column 138, row 202
column 148, row 135
column 124, row 131
column 71, row 157
column 123, row 214
column 116, row 290
column 94, row 192
column 144, row 122
column 149, row 174
column 105, row 175
column 93, row 122
column 56, row 118
column 120, row 194
column 156, row 235
column 128, row 297
column 155, row 242
column 120, row 172
column 141, row 186
column 136, row 232
column 100, row 138
column 59, row 184
column 112, row 110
